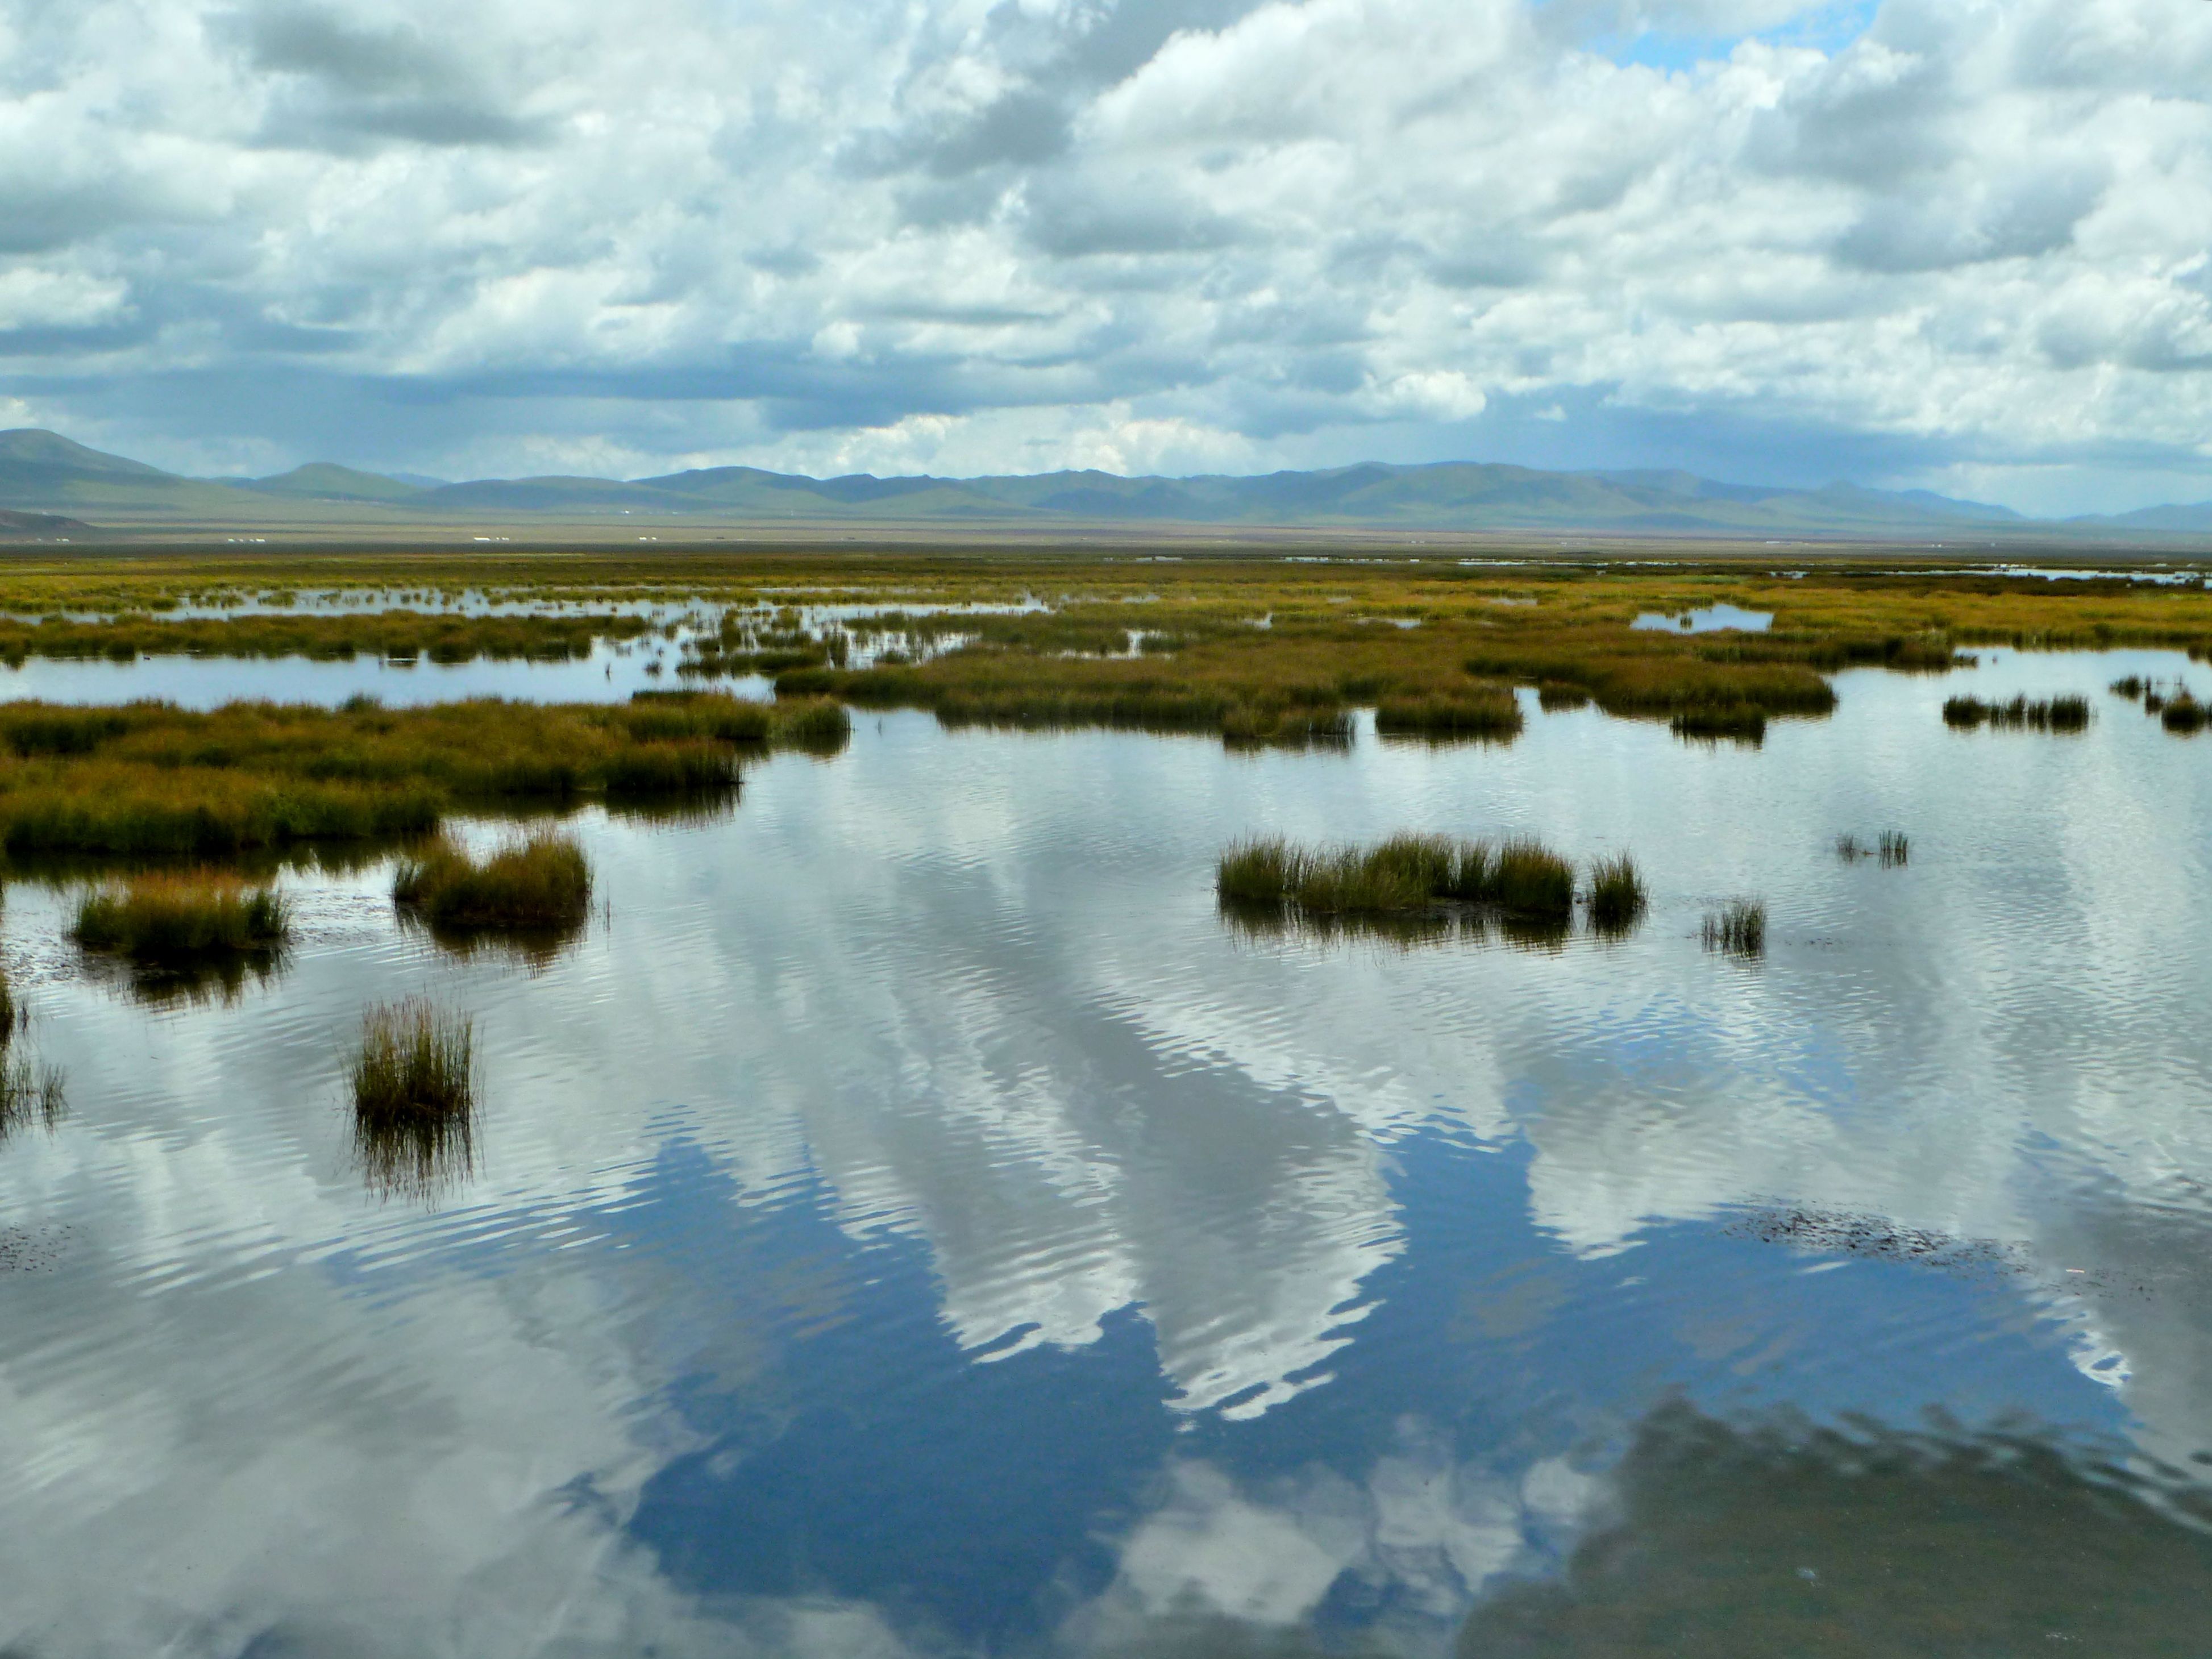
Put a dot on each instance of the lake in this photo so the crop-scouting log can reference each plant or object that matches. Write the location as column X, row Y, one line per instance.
column 909, row 1220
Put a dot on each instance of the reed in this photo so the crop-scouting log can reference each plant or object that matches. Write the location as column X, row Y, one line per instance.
column 2131, row 687
column 544, row 882
column 1895, row 849
column 2060, row 714
column 2184, row 714
column 182, row 919
column 1738, row 927
column 1851, row 849
column 1618, row 897
column 30, row 1093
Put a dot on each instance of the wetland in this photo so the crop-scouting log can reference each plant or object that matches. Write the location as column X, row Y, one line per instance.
column 1016, row 1107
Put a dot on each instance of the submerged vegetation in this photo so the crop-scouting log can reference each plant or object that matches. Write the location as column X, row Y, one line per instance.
column 1893, row 847
column 1738, row 927
column 182, row 919
column 414, row 1096
column 541, row 882
column 2063, row 714
column 152, row 779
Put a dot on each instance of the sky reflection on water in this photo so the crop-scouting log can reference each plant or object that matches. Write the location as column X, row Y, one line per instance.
column 910, row 1220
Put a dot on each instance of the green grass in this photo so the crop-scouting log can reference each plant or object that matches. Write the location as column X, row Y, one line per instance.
column 1618, row 897
column 1406, row 872
column 1738, row 927
column 2063, row 714
column 182, row 919
column 541, row 882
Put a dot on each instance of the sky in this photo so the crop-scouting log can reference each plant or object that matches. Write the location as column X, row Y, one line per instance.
column 1963, row 245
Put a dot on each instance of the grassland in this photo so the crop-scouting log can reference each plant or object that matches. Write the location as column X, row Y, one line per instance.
column 150, row 779
column 1250, row 648
column 396, row 636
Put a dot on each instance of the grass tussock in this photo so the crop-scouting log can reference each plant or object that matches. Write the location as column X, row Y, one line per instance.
column 183, row 919
column 2182, row 714
column 543, row 882
column 2131, row 687
column 2062, row 714
column 1618, row 897
column 1738, row 927
column 414, row 1096
column 1520, row 879
column 1479, row 714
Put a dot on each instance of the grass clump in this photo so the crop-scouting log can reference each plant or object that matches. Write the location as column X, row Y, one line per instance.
column 1491, row 715
column 183, row 919
column 1405, row 874
column 2131, row 687
column 1738, row 927
column 543, row 882
column 414, row 1095
column 2063, row 714
column 2182, row 714
column 1618, row 897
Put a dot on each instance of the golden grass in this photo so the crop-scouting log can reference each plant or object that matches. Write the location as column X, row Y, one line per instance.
column 181, row 919
column 398, row 636
column 543, row 881
column 147, row 778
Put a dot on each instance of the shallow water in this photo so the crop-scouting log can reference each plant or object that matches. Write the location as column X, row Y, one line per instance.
column 910, row 1220
column 1707, row 619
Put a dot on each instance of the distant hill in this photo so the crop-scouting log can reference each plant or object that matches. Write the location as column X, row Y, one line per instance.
column 43, row 472
column 15, row 526
column 327, row 481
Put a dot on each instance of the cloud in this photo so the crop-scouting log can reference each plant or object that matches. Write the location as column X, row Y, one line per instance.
column 1236, row 218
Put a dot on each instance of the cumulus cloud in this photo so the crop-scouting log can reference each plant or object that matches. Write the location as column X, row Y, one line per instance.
column 1300, row 232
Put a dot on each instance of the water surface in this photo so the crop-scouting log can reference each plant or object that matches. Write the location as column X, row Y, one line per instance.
column 908, row 1220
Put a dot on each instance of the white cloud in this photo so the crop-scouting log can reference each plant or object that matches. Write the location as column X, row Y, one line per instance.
column 1288, row 233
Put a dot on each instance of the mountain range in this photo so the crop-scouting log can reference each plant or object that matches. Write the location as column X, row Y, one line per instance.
column 42, row 473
